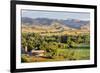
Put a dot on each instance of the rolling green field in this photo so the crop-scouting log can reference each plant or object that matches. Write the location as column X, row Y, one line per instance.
column 62, row 55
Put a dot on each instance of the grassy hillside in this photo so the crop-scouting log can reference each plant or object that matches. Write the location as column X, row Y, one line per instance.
column 54, row 30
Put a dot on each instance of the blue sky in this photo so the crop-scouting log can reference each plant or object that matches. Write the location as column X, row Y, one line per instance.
column 56, row 15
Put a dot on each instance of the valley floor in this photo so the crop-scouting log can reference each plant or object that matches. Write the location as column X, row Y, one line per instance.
column 65, row 55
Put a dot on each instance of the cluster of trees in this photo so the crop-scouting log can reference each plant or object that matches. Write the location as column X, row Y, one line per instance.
column 52, row 43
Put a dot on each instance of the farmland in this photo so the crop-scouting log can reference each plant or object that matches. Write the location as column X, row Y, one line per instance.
column 67, row 55
column 59, row 45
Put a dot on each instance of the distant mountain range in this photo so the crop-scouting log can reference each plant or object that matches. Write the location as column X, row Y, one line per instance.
column 71, row 23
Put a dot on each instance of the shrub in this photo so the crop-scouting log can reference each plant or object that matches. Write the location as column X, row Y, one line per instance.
column 24, row 58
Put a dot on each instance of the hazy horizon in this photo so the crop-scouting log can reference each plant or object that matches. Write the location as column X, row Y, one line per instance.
column 55, row 14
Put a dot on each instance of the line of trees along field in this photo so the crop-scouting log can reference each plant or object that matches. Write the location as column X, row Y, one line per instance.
column 57, row 46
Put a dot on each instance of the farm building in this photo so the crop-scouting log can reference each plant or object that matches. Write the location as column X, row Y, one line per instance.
column 38, row 52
